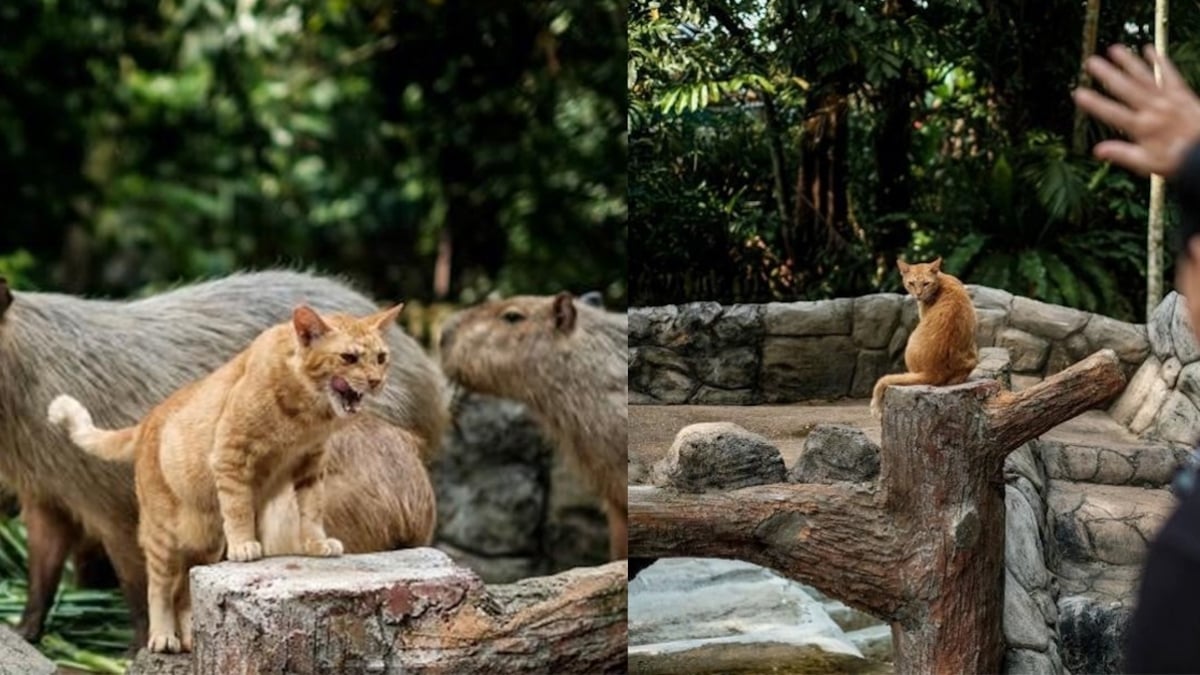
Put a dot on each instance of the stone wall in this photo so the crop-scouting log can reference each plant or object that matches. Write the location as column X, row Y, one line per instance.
column 508, row 507
column 706, row 353
column 1162, row 399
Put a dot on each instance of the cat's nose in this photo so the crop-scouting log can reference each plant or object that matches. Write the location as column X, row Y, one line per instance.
column 374, row 382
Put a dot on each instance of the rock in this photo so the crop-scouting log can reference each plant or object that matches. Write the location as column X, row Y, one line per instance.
column 1128, row 340
column 989, row 322
column 835, row 453
column 411, row 611
column 740, row 325
column 1028, row 352
column 1188, row 382
column 1182, row 335
column 1170, row 371
column 707, row 395
column 910, row 314
column 898, row 344
column 1092, row 635
column 684, row 603
column 734, row 368
column 1153, row 403
column 1024, row 625
column 797, row 369
column 1045, row 320
column 875, row 319
column 990, row 298
column 18, row 657
column 810, row 319
column 872, row 365
column 491, row 494
column 1088, row 464
column 1065, row 353
column 1134, row 396
column 874, row 642
column 994, row 364
column 652, row 326
column 1023, row 463
column 661, row 373
column 719, row 455
column 1178, row 421
column 1158, row 328
column 638, row 398
column 1027, row 662
column 1023, row 556
column 1104, row 522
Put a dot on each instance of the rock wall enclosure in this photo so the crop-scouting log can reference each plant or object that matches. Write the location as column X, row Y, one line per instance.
column 706, row 353
column 1079, row 509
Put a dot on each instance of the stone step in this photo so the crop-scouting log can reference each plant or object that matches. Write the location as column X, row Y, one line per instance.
column 1104, row 583
column 1104, row 523
column 1092, row 633
column 1095, row 448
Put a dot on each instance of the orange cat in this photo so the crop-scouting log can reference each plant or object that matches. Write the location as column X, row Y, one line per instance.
column 211, row 456
column 941, row 350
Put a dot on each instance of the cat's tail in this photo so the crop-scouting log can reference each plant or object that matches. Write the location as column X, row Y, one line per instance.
column 898, row 379
column 115, row 446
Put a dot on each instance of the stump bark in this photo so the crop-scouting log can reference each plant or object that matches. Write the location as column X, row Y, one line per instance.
column 923, row 548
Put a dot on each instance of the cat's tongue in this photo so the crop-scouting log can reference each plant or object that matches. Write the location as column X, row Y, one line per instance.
column 340, row 385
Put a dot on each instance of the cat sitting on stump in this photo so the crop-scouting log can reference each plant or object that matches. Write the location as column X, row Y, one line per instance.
column 941, row 350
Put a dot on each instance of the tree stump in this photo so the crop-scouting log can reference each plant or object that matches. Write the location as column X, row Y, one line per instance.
column 924, row 547
column 411, row 611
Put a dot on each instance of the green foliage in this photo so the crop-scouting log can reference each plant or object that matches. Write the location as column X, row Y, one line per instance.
column 89, row 630
column 148, row 142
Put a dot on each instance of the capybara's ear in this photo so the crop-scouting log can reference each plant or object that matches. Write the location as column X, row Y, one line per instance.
column 902, row 265
column 936, row 265
column 381, row 320
column 564, row 312
column 308, row 324
column 6, row 296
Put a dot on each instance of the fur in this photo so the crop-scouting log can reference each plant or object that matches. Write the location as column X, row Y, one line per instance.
column 568, row 362
column 942, row 349
column 120, row 358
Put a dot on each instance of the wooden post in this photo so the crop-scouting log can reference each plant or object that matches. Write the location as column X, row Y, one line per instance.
column 924, row 548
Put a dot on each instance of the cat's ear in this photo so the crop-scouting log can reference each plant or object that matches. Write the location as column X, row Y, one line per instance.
column 564, row 312
column 6, row 296
column 308, row 324
column 936, row 265
column 381, row 320
column 903, row 266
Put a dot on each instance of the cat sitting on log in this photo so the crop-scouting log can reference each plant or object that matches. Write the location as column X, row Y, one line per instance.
column 941, row 350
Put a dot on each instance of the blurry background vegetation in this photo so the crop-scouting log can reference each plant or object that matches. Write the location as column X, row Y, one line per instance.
column 433, row 150
column 794, row 150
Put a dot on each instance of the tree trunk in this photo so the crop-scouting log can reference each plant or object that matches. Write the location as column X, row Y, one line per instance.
column 1091, row 22
column 924, row 548
column 1154, row 231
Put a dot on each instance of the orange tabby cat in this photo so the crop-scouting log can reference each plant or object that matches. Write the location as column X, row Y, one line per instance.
column 941, row 350
column 214, row 453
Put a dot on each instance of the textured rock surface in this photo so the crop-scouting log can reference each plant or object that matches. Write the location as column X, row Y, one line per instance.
column 506, row 504
column 799, row 368
column 681, row 604
column 835, row 453
column 403, row 611
column 1104, row 522
column 719, row 455
column 18, row 657
column 1092, row 633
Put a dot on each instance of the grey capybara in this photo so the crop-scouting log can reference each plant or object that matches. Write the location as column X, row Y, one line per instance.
column 121, row 358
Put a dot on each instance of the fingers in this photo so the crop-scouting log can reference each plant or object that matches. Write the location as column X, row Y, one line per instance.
column 1118, row 82
column 1135, row 67
column 1128, row 155
column 1170, row 74
column 1104, row 109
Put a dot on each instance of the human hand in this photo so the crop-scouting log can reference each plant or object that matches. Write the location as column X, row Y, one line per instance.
column 1162, row 122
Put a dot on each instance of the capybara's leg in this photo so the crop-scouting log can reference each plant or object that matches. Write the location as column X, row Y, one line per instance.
column 52, row 533
column 618, row 533
column 130, row 565
column 92, row 566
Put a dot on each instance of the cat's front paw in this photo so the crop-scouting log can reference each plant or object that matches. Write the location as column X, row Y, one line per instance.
column 164, row 643
column 245, row 551
column 323, row 548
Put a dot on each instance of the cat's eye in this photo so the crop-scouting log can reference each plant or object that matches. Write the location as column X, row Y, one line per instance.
column 349, row 359
column 381, row 359
column 513, row 316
